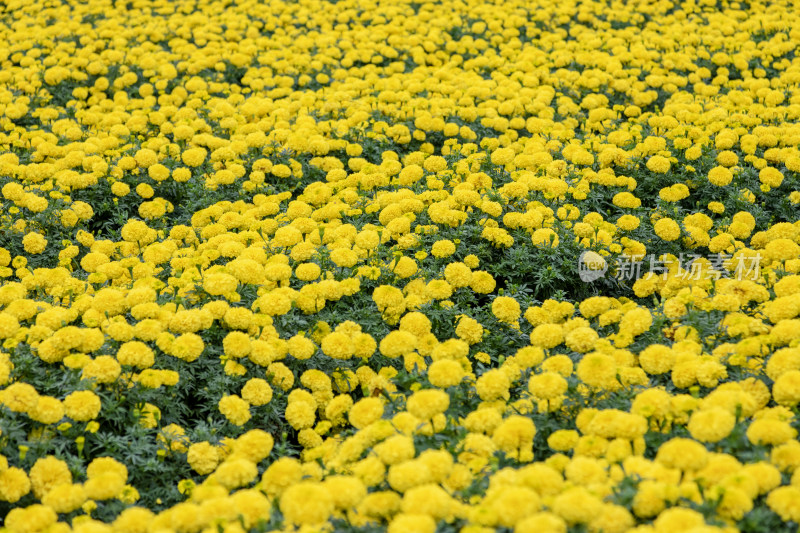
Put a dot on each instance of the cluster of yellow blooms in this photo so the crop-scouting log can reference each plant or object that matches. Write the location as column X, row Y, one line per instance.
column 314, row 266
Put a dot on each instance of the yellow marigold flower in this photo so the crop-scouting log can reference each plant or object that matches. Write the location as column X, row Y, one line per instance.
column 181, row 175
column 786, row 389
column 410, row 174
column 712, row 424
column 545, row 237
column 628, row 222
column 770, row 432
column 492, row 385
column 193, row 157
column 103, row 369
column 65, row 498
column 220, row 284
column 301, row 347
column 390, row 302
column 48, row 472
column 149, row 416
column 346, row 491
column 577, row 505
column 636, row 321
column 82, row 406
column 658, row 164
column 512, row 504
column 257, row 392
column 104, row 486
column 403, row 522
column 547, row 336
column 336, row 410
column 502, row 156
column 307, row 271
column 482, row 282
column 14, row 484
column 563, row 440
column 136, row 353
column 9, row 325
column 365, row 412
column 472, row 261
column 280, row 375
column 515, row 437
column 445, row 373
column 187, row 347
column 398, row 343
column 529, row 356
column 667, row 229
column 652, row 403
column 469, row 329
column 785, row 501
column 656, row 359
column 236, row 472
column 48, row 410
column 506, row 309
column 599, row 371
column 300, row 414
column 34, row 243
column 404, row 267
column 544, row 522
column 19, row 397
column 281, row 474
column 678, row 519
column 255, row 445
column 158, row 172
column 547, row 385
column 581, row 339
column 683, row 454
column 102, row 465
column 443, row 248
column 236, row 344
column 435, row 163
column 439, row 289
column 425, row 404
column 727, row 158
column 235, row 409
column 146, row 158
column 720, row 176
column 306, row 502
column 395, row 449
column 612, row 518
column 346, row 258
column 338, row 345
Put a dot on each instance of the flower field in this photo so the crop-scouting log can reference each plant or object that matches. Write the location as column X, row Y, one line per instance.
column 389, row 265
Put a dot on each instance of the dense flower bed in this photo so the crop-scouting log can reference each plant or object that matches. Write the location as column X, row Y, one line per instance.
column 425, row 266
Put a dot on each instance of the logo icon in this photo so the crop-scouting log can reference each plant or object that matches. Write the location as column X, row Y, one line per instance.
column 591, row 266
